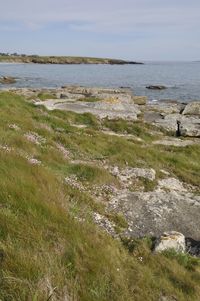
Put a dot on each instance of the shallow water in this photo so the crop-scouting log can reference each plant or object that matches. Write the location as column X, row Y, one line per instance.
column 181, row 78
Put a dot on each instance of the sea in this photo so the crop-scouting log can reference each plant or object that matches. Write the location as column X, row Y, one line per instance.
column 182, row 79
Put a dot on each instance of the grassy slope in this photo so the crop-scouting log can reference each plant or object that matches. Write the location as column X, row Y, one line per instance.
column 48, row 242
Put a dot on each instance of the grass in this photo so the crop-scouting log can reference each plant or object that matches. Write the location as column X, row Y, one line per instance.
column 139, row 129
column 45, row 96
column 89, row 99
column 92, row 174
column 50, row 249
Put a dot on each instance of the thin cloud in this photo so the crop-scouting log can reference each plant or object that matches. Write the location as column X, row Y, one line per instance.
column 112, row 15
column 108, row 27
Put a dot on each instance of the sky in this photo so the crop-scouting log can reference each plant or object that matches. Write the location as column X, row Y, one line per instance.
column 128, row 29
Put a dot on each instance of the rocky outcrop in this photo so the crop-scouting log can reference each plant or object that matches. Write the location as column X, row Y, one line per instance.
column 166, row 115
column 6, row 80
column 140, row 100
column 170, row 206
column 189, row 125
column 110, row 103
column 170, row 241
column 127, row 176
column 192, row 108
column 156, row 87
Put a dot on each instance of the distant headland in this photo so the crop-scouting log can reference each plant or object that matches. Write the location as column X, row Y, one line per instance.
column 36, row 59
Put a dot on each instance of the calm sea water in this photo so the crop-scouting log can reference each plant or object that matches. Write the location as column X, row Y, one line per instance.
column 182, row 79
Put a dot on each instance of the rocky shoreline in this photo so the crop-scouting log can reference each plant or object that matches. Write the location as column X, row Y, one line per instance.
column 121, row 103
column 170, row 204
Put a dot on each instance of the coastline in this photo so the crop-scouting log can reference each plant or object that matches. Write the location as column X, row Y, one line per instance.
column 66, row 60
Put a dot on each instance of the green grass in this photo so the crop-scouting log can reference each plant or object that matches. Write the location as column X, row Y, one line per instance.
column 92, row 174
column 45, row 96
column 48, row 241
column 139, row 128
column 89, row 99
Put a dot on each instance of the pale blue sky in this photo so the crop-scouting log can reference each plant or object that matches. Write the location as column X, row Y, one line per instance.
column 129, row 29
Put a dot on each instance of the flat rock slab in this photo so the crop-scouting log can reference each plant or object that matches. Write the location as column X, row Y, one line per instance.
column 152, row 213
column 189, row 125
column 100, row 108
column 164, row 108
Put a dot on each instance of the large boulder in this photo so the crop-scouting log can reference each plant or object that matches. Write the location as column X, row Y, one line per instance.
column 171, row 241
column 139, row 100
column 192, row 108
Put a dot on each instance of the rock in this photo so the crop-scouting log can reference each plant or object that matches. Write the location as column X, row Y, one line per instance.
column 139, row 100
column 192, row 108
column 152, row 116
column 63, row 96
column 156, row 87
column 165, row 108
column 129, row 174
column 146, row 173
column 171, row 240
column 7, row 80
column 171, row 184
column 193, row 247
column 189, row 125
column 152, row 212
column 114, row 103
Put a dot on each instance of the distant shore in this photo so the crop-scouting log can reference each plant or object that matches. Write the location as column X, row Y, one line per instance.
column 62, row 60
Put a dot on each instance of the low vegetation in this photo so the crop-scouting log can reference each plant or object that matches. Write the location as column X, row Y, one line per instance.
column 36, row 59
column 50, row 248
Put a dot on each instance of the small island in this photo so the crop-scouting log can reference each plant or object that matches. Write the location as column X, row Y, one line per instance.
column 36, row 59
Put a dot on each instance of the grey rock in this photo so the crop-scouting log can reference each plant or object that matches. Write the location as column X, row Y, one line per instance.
column 156, row 87
column 170, row 240
column 192, row 108
column 128, row 175
column 154, row 212
column 171, row 184
column 190, row 125
column 152, row 116
column 165, row 108
column 114, row 104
